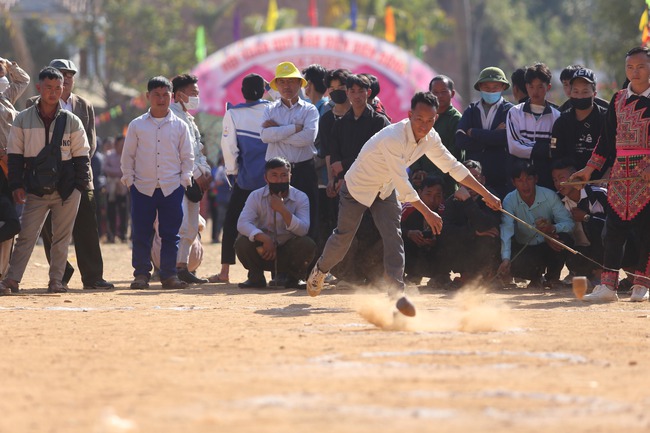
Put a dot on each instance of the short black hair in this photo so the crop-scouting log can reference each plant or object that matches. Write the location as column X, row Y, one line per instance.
column 180, row 81
column 337, row 74
column 358, row 80
column 445, row 79
column 431, row 181
column 50, row 73
column 519, row 81
column 277, row 162
column 522, row 166
column 540, row 71
column 567, row 73
column 470, row 164
column 426, row 98
column 252, row 87
column 159, row 81
column 375, row 88
column 564, row 163
column 316, row 75
column 638, row 50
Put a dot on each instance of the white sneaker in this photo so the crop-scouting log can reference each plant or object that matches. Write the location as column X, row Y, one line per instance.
column 315, row 281
column 601, row 293
column 639, row 293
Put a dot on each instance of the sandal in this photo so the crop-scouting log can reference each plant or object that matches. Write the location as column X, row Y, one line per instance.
column 217, row 278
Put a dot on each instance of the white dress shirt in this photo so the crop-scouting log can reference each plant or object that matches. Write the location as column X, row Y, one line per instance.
column 157, row 156
column 283, row 140
column 381, row 165
column 257, row 216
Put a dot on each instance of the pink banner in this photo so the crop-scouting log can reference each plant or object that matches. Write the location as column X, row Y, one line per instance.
column 400, row 74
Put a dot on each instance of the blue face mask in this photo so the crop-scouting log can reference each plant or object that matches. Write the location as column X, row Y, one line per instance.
column 491, row 97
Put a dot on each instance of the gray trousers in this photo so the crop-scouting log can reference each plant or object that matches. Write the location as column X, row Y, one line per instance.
column 386, row 215
column 31, row 221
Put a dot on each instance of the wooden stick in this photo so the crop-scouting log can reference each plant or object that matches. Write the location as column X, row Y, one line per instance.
column 598, row 181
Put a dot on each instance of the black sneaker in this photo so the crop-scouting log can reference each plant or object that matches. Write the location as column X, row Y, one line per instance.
column 188, row 277
column 100, row 284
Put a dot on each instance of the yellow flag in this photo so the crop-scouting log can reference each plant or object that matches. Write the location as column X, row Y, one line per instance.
column 644, row 20
column 390, row 24
column 272, row 16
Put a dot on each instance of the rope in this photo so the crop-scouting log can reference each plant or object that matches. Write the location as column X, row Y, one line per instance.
column 571, row 250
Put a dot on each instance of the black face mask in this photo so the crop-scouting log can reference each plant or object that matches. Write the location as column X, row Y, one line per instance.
column 581, row 103
column 278, row 187
column 338, row 96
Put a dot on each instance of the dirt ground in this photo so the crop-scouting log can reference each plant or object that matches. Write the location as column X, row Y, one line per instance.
column 217, row 358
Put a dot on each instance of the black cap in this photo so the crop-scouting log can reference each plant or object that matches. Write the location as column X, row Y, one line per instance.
column 585, row 74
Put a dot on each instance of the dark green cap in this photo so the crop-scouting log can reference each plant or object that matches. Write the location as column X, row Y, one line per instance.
column 492, row 74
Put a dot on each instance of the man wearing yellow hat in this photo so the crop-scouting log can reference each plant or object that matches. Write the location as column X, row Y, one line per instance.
column 289, row 128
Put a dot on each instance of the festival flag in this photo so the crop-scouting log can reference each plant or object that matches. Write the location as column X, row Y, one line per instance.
column 201, row 49
column 272, row 16
column 389, row 18
column 313, row 13
column 643, row 27
column 236, row 26
column 353, row 14
column 419, row 44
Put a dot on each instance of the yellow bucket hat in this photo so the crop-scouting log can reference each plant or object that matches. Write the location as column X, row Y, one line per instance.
column 287, row 70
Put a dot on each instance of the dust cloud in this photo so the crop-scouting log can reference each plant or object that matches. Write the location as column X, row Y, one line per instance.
column 471, row 312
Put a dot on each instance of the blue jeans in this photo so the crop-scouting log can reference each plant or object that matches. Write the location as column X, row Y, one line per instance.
column 386, row 215
column 144, row 210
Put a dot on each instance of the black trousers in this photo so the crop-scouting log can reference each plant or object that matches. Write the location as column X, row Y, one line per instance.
column 304, row 178
column 229, row 234
column 293, row 257
column 461, row 251
column 617, row 232
column 534, row 260
column 86, row 241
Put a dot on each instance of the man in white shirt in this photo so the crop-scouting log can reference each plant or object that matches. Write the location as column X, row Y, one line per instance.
column 157, row 163
column 378, row 178
column 273, row 227
column 186, row 97
column 290, row 128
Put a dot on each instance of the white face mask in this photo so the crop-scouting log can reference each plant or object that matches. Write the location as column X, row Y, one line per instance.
column 4, row 84
column 192, row 103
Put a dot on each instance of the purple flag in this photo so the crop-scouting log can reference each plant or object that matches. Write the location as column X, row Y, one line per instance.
column 236, row 26
column 353, row 14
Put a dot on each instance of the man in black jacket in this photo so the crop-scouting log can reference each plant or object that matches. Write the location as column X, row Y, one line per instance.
column 576, row 131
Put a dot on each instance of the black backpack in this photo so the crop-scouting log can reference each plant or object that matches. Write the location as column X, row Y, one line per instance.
column 46, row 168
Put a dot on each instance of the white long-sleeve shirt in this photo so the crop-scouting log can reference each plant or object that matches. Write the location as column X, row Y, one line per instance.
column 201, row 165
column 157, row 155
column 381, row 165
column 283, row 140
column 257, row 216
